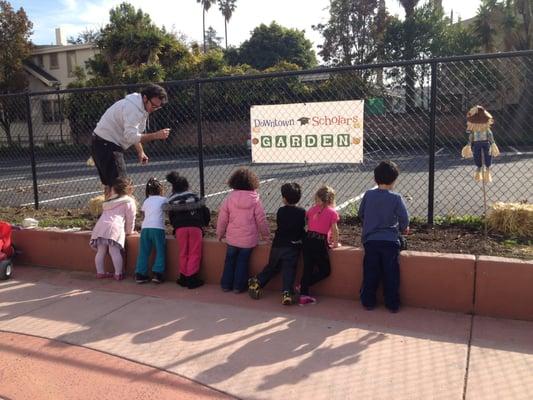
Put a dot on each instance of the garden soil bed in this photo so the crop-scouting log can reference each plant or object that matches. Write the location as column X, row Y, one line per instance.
column 438, row 238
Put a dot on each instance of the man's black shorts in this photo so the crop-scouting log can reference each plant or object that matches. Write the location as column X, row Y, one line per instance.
column 109, row 160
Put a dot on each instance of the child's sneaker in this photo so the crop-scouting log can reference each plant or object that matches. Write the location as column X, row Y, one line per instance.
column 254, row 288
column 194, row 282
column 140, row 278
column 305, row 300
column 104, row 275
column 286, row 299
column 182, row 281
column 158, row 277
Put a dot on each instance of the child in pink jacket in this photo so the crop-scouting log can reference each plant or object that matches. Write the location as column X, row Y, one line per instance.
column 109, row 233
column 241, row 219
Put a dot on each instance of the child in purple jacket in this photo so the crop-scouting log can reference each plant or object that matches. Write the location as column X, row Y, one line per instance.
column 241, row 219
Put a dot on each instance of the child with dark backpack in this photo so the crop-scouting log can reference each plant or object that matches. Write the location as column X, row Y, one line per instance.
column 384, row 217
column 286, row 246
column 188, row 214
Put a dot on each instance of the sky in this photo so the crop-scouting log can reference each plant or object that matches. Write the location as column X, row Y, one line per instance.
column 185, row 16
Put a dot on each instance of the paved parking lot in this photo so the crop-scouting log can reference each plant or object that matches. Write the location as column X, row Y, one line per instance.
column 71, row 183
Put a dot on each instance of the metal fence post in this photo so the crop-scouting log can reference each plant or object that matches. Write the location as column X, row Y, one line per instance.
column 432, row 122
column 60, row 109
column 198, row 100
column 32, row 152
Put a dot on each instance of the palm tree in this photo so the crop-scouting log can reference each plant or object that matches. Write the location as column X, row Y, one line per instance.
column 524, row 8
column 206, row 5
column 409, row 54
column 226, row 7
column 381, row 27
column 483, row 24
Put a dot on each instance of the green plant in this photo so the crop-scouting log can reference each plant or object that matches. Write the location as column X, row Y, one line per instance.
column 466, row 221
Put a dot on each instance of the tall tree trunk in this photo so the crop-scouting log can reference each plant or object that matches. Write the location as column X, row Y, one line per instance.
column 409, row 55
column 203, row 27
column 226, row 31
column 380, row 39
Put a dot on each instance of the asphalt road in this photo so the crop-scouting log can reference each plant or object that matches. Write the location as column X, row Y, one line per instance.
column 70, row 183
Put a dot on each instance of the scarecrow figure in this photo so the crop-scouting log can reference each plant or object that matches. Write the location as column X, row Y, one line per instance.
column 481, row 144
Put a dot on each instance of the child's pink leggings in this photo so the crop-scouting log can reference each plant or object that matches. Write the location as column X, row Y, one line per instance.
column 190, row 249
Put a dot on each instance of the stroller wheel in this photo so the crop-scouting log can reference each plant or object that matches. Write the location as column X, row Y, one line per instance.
column 6, row 270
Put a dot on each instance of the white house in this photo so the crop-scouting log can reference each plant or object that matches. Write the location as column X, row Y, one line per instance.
column 50, row 67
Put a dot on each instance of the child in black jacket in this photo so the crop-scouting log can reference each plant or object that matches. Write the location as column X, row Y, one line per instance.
column 188, row 215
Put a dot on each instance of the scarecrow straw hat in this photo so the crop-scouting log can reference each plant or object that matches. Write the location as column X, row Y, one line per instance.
column 478, row 119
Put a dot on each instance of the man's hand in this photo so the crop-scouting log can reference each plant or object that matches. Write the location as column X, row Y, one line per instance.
column 143, row 158
column 162, row 134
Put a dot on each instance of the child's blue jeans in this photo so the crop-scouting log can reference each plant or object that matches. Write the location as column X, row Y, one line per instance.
column 235, row 275
column 151, row 237
column 380, row 263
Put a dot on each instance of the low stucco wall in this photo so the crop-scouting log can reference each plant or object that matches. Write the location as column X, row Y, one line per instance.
column 450, row 282
column 504, row 288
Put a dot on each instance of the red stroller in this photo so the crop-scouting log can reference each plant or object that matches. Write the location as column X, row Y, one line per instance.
column 6, row 251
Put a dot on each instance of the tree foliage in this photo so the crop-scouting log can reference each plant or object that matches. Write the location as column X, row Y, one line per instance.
column 15, row 30
column 350, row 35
column 133, row 49
column 15, row 46
column 85, row 37
column 271, row 44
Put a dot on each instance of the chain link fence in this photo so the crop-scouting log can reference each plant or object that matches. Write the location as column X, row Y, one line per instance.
column 421, row 128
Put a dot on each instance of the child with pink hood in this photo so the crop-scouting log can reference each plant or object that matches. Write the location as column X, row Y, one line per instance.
column 241, row 219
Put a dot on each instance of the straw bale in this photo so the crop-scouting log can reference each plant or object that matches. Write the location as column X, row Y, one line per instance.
column 95, row 205
column 513, row 219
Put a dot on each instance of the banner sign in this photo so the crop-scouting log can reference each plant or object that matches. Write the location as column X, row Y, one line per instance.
column 324, row 132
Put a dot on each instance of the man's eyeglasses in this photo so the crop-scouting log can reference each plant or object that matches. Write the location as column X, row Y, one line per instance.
column 155, row 106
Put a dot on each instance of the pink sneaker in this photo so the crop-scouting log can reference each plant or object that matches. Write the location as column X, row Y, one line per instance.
column 305, row 300
column 104, row 275
column 119, row 277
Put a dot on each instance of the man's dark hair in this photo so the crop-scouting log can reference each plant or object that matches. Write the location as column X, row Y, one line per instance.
column 291, row 192
column 152, row 90
column 243, row 179
column 179, row 183
column 386, row 173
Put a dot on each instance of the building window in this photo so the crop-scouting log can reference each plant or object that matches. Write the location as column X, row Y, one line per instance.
column 71, row 63
column 51, row 111
column 54, row 64
column 39, row 60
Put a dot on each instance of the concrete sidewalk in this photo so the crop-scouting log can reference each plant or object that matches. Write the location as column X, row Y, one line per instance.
column 263, row 350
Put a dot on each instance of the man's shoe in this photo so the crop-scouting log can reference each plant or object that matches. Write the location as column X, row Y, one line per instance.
column 158, row 277
column 286, row 299
column 254, row 288
column 140, row 278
